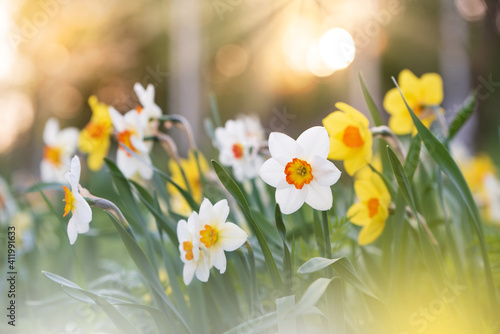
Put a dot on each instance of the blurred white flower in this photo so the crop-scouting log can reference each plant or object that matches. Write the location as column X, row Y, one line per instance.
column 148, row 109
column 238, row 142
column 81, row 214
column 492, row 189
column 8, row 206
column 217, row 235
column 60, row 145
column 300, row 171
column 130, row 133
column 195, row 260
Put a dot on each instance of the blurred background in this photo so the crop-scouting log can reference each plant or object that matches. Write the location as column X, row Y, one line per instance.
column 287, row 60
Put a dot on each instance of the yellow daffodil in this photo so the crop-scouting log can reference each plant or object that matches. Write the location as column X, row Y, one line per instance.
column 192, row 172
column 422, row 94
column 372, row 210
column 482, row 177
column 350, row 137
column 95, row 137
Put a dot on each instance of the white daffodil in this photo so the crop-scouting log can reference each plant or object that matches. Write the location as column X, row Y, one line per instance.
column 129, row 129
column 300, row 171
column 8, row 206
column 81, row 214
column 60, row 145
column 148, row 109
column 195, row 260
column 238, row 142
column 217, row 235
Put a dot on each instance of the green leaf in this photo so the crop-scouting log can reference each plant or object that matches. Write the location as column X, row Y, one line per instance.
column 149, row 202
column 215, row 110
column 148, row 272
column 44, row 185
column 442, row 157
column 335, row 298
column 236, row 192
column 312, row 295
column 287, row 261
column 374, row 112
column 342, row 266
column 462, row 116
column 413, row 157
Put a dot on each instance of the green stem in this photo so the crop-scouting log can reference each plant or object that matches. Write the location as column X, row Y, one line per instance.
column 326, row 235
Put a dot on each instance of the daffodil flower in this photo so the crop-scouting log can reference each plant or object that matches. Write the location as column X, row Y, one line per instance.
column 190, row 167
column 59, row 146
column 350, row 137
column 195, row 261
column 216, row 235
column 149, row 110
column 238, row 143
column 95, row 137
column 372, row 210
column 422, row 94
column 129, row 128
column 300, row 171
column 81, row 214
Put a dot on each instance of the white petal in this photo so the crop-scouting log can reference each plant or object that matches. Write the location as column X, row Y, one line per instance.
column 188, row 272
column 51, row 131
column 272, row 172
column 82, row 228
column 205, row 212
column 183, row 233
column 127, row 164
column 203, row 269
column 315, row 141
column 72, row 230
column 319, row 197
column 324, row 171
column 47, row 172
column 140, row 92
column 76, row 168
column 217, row 257
column 282, row 147
column 220, row 211
column 117, row 119
column 145, row 167
column 68, row 139
column 239, row 171
column 290, row 199
column 232, row 237
column 138, row 143
column 82, row 211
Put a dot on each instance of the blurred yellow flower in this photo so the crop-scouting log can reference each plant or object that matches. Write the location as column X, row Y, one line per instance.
column 350, row 137
column 190, row 167
column 95, row 137
column 372, row 210
column 421, row 94
column 482, row 177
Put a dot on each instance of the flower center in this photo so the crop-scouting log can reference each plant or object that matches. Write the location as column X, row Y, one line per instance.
column 373, row 205
column 53, row 155
column 208, row 236
column 352, row 137
column 188, row 248
column 238, row 150
column 298, row 172
column 124, row 138
column 70, row 201
column 139, row 109
column 96, row 130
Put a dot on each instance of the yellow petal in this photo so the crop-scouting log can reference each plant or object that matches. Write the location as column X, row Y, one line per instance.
column 431, row 89
column 338, row 150
column 355, row 163
column 358, row 214
column 369, row 233
column 401, row 124
column 365, row 190
column 393, row 102
column 409, row 82
column 336, row 122
column 353, row 113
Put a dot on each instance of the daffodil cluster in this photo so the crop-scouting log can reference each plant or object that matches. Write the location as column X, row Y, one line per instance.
column 204, row 238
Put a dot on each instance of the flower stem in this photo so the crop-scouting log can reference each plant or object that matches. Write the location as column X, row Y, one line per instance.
column 326, row 235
